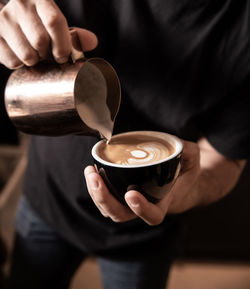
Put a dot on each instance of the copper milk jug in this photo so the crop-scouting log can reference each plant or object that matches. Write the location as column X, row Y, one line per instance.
column 79, row 97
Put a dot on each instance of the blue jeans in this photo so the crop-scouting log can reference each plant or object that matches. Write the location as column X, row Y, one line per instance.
column 43, row 260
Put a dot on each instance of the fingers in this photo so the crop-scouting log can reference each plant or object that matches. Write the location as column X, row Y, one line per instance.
column 20, row 46
column 15, row 46
column 190, row 156
column 106, row 203
column 33, row 30
column 36, row 33
column 92, row 185
column 186, row 190
column 56, row 25
column 152, row 214
column 7, row 57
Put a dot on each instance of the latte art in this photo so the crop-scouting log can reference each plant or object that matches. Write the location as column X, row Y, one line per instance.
column 135, row 150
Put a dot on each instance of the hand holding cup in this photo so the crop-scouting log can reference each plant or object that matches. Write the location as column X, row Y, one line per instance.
column 176, row 199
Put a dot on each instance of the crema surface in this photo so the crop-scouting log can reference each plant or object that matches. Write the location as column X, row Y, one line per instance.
column 135, row 150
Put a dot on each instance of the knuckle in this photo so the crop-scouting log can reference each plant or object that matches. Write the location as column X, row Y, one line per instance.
column 41, row 41
column 21, row 5
column 20, row 2
column 100, row 199
column 5, row 15
column 54, row 20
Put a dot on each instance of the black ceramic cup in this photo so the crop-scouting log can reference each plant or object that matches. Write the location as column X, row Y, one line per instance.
column 153, row 180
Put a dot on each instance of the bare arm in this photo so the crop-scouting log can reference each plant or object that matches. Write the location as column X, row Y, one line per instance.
column 206, row 177
column 216, row 178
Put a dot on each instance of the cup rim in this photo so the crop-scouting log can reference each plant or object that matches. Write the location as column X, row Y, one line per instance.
column 171, row 138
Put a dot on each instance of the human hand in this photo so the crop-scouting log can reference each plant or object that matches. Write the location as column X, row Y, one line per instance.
column 32, row 30
column 177, row 200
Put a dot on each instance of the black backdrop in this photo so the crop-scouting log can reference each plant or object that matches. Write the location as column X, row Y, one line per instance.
column 220, row 231
column 8, row 134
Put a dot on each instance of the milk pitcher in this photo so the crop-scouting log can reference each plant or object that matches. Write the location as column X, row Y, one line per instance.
column 79, row 97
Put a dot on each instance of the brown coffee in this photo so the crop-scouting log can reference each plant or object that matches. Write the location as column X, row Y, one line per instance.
column 135, row 149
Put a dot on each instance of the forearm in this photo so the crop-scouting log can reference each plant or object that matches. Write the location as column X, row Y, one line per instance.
column 218, row 174
column 205, row 179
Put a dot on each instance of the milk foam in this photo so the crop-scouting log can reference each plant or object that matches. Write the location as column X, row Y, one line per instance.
column 135, row 150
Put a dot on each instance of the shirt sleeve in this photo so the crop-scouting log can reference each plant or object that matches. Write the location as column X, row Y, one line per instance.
column 227, row 124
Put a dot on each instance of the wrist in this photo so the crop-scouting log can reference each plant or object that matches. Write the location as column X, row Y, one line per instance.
column 203, row 190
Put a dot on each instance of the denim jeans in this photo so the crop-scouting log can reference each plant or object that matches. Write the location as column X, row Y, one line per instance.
column 43, row 260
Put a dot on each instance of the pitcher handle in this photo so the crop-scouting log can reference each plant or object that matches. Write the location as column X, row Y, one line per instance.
column 76, row 49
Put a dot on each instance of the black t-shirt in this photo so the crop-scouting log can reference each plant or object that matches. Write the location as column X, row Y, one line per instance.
column 184, row 69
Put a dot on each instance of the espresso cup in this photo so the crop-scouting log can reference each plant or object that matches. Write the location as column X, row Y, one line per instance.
column 146, row 161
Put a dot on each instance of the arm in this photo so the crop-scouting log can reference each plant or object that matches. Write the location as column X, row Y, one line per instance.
column 216, row 177
column 206, row 177
column 32, row 30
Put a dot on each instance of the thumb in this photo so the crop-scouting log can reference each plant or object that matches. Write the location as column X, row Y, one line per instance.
column 149, row 212
column 87, row 39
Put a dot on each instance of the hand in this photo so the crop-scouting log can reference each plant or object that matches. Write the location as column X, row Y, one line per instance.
column 31, row 30
column 206, row 176
column 177, row 200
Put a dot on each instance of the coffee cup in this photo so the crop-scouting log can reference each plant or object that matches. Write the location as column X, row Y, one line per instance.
column 147, row 161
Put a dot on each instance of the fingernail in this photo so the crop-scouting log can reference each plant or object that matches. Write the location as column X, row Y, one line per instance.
column 94, row 184
column 31, row 62
column 62, row 60
column 88, row 170
column 134, row 202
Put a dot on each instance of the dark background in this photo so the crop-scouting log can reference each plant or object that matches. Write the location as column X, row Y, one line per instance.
column 8, row 134
column 221, row 231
